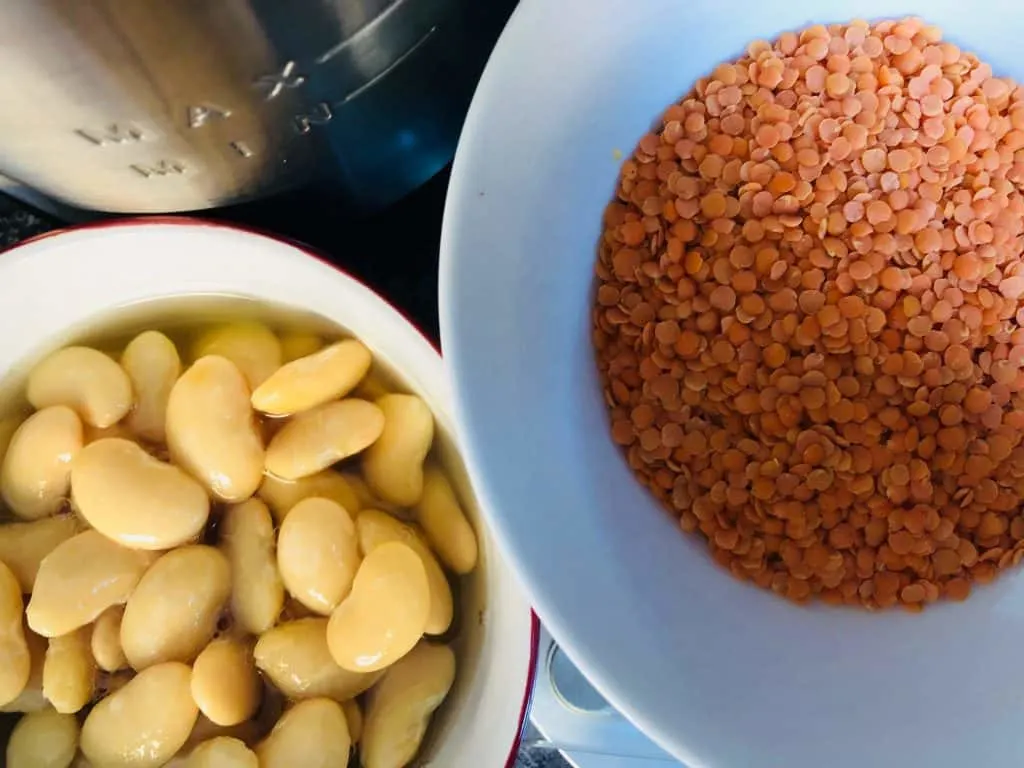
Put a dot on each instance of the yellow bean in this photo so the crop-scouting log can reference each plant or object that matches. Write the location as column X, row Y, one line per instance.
column 31, row 698
column 46, row 739
column 17, row 661
column 400, row 706
column 248, row 542
column 310, row 381
column 85, row 380
column 386, row 613
column 69, row 672
column 315, row 439
column 354, row 718
column 251, row 346
column 225, row 684
column 374, row 528
column 173, row 612
column 446, row 527
column 313, row 734
column 36, row 471
column 136, row 499
column 222, row 752
column 145, row 723
column 212, row 432
column 152, row 363
column 299, row 344
column 24, row 545
column 317, row 554
column 106, row 640
column 294, row 656
column 393, row 465
column 282, row 495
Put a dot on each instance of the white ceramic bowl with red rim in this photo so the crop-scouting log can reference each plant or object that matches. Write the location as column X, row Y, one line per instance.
column 59, row 282
column 722, row 674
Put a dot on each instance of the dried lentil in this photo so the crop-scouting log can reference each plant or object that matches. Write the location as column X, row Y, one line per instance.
column 809, row 315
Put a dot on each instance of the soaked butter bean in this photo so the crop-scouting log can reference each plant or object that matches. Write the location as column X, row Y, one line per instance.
column 446, row 527
column 80, row 579
column 374, row 528
column 225, row 684
column 251, row 346
column 298, row 344
column 282, row 495
column 393, row 466
column 248, row 542
column 31, row 698
column 315, row 439
column 46, row 739
column 386, row 613
column 24, row 545
column 294, row 656
column 400, row 706
column 35, row 476
column 354, row 718
column 313, row 734
column 69, row 671
column 14, row 650
column 222, row 752
column 145, row 723
column 152, row 363
column 212, row 432
column 85, row 380
column 248, row 732
column 173, row 612
column 318, row 554
column 310, row 381
column 105, row 641
column 136, row 499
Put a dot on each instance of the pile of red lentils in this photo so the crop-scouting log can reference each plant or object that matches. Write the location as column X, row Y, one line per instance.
column 809, row 318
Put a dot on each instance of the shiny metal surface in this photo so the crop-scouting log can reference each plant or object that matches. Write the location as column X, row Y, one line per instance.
column 128, row 106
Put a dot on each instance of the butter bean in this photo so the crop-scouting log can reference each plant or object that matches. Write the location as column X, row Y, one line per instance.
column 225, row 685
column 317, row 554
column 386, row 613
column 368, row 499
column 85, row 380
column 313, row 734
column 393, row 465
column 282, row 495
column 145, row 723
column 173, row 612
column 105, row 641
column 222, row 752
column 14, row 651
column 69, row 672
column 36, row 471
column 251, row 346
column 315, row 439
column 374, row 528
column 80, row 579
column 299, row 344
column 136, row 499
column 46, row 739
column 248, row 732
column 310, row 381
column 294, row 656
column 445, row 525
column 31, row 698
column 152, row 363
column 24, row 545
column 248, row 542
column 212, row 432
column 354, row 718
column 399, row 708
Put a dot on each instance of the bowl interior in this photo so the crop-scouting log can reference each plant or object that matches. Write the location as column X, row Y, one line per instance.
column 720, row 673
column 97, row 281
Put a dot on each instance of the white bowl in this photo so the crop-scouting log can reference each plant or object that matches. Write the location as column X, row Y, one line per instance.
column 59, row 282
column 718, row 672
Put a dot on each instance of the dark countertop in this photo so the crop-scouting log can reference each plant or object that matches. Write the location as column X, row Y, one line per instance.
column 395, row 252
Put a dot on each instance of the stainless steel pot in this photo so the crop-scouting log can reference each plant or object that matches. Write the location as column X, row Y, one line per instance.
column 171, row 105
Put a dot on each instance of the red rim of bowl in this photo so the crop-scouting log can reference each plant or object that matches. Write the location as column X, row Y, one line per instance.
column 325, row 259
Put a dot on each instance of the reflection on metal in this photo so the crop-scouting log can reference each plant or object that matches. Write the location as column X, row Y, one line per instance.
column 273, row 85
column 112, row 134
